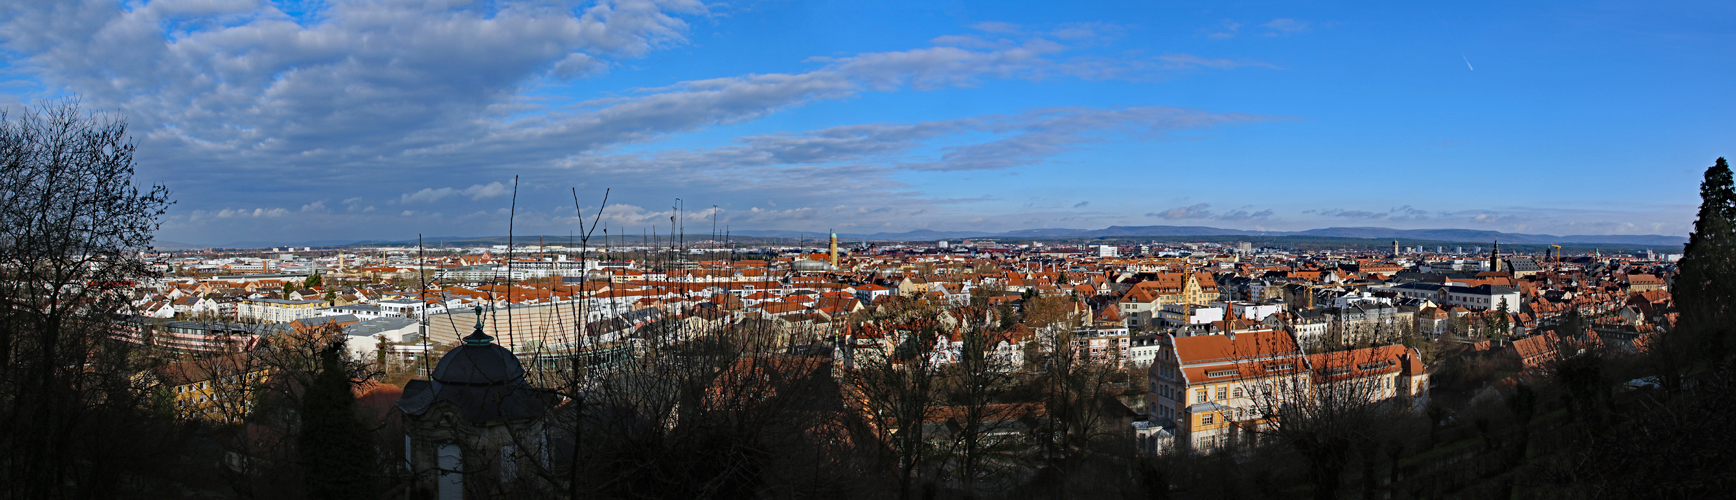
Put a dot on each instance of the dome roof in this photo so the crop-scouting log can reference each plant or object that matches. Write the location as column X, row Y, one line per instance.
column 478, row 362
column 472, row 364
column 484, row 381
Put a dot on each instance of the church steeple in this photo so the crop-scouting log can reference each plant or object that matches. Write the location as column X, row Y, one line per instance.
column 1495, row 257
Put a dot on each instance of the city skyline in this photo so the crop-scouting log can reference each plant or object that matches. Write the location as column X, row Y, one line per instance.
column 294, row 121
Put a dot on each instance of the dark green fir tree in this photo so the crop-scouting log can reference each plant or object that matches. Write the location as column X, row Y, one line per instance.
column 336, row 452
column 1706, row 286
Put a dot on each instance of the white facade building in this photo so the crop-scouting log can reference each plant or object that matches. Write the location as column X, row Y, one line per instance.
column 278, row 311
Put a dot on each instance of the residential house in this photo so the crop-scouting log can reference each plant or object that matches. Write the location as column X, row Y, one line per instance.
column 1206, row 389
column 218, row 389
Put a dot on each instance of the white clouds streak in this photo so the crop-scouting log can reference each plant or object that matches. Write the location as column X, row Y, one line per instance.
column 1202, row 211
column 1285, row 27
column 378, row 84
column 240, row 76
column 1018, row 140
column 363, row 99
column 238, row 213
column 475, row 192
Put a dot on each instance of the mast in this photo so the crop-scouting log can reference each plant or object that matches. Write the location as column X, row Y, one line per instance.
column 422, row 309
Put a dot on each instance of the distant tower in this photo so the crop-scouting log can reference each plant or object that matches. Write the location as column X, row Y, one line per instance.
column 834, row 253
column 1394, row 249
column 1495, row 258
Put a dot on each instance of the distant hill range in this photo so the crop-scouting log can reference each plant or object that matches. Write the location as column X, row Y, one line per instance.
column 1454, row 235
column 773, row 237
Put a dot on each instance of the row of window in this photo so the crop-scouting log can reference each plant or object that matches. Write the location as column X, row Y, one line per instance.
column 200, row 386
column 1204, row 395
column 1223, row 394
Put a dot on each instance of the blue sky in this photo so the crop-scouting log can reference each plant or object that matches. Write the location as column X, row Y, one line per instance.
column 335, row 120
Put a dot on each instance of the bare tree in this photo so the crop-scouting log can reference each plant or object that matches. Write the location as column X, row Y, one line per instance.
column 984, row 431
column 72, row 224
column 1079, row 393
column 1329, row 412
column 896, row 389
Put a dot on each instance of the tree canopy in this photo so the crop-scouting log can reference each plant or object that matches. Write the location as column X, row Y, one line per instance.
column 72, row 226
column 1706, row 286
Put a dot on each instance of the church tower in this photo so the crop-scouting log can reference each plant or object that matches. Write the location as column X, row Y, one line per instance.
column 1495, row 258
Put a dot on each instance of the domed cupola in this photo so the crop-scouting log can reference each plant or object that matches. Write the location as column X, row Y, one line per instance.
column 479, row 362
column 485, row 381
column 475, row 421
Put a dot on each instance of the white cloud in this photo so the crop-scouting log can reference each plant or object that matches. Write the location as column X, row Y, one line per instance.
column 1012, row 141
column 229, row 213
column 1189, row 61
column 475, row 192
column 1198, row 211
column 1230, row 29
column 1202, row 211
column 362, row 98
column 427, row 195
column 244, row 78
column 1285, row 26
column 480, row 192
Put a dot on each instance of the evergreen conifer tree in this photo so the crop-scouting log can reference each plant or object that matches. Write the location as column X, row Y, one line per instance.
column 1706, row 287
column 336, row 452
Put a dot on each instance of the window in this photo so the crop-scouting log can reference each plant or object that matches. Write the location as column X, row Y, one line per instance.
column 1222, row 394
column 1238, row 392
column 1221, row 373
column 508, row 464
column 1202, row 396
column 1206, row 419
